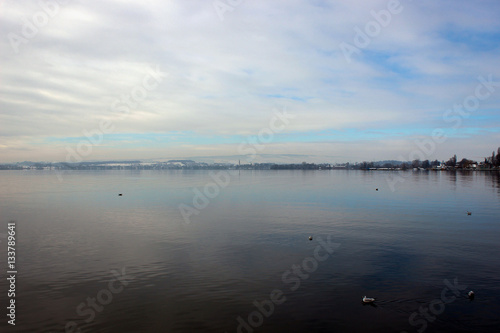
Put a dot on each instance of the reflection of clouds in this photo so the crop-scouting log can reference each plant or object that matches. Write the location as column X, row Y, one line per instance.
column 395, row 246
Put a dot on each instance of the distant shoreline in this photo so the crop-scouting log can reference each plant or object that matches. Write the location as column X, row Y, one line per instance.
column 130, row 168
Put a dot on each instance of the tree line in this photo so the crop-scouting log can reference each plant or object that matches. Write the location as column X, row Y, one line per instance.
column 491, row 162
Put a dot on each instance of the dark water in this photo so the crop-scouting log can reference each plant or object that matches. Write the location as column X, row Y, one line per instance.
column 248, row 243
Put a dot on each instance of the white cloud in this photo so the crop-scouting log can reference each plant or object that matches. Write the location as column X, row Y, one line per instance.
column 225, row 77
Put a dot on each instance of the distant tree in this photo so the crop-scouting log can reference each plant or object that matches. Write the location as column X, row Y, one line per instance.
column 464, row 163
column 497, row 159
column 452, row 161
column 435, row 163
column 415, row 163
column 426, row 164
column 404, row 166
column 388, row 165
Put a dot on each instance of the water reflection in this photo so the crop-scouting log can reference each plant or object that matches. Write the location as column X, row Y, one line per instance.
column 395, row 246
column 493, row 178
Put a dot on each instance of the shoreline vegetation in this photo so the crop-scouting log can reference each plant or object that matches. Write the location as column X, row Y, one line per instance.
column 491, row 163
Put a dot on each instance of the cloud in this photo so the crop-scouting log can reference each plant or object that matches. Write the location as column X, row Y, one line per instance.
column 225, row 79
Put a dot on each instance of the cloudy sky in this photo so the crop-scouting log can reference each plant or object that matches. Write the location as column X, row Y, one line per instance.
column 323, row 81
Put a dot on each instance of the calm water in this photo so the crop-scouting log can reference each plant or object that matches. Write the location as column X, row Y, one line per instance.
column 250, row 241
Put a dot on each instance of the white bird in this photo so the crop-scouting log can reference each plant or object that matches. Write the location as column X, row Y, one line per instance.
column 368, row 299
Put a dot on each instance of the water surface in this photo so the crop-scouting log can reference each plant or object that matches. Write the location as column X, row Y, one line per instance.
column 398, row 246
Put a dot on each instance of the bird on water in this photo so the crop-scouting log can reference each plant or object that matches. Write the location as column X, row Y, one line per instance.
column 368, row 299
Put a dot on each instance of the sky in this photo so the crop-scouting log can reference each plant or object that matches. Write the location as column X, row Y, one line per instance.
column 266, row 81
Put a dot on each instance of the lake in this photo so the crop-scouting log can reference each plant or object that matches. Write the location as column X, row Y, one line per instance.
column 229, row 251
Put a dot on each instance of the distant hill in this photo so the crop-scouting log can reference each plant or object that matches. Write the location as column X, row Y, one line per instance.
column 181, row 161
column 391, row 162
